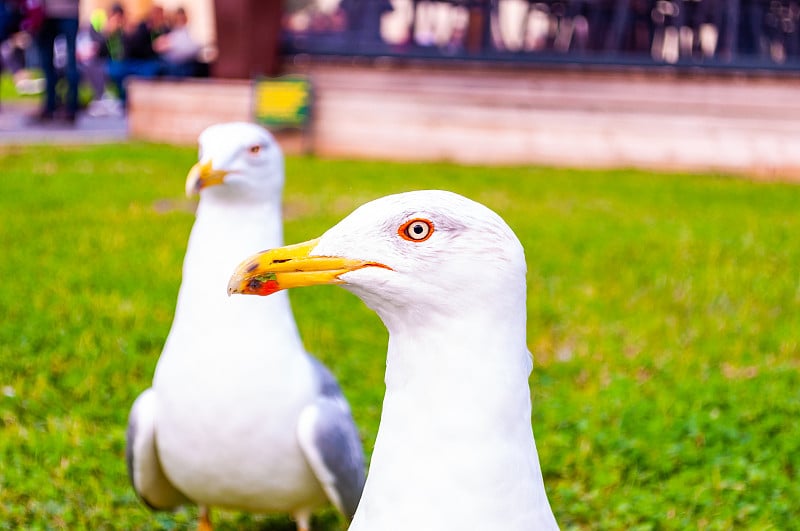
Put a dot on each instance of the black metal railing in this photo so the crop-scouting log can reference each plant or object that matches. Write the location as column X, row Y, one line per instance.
column 738, row 34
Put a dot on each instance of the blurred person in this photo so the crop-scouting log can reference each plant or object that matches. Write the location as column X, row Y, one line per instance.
column 177, row 48
column 156, row 22
column 14, row 54
column 5, row 26
column 13, row 44
column 131, row 47
column 92, row 51
column 87, row 49
column 8, row 24
column 60, row 20
column 113, row 29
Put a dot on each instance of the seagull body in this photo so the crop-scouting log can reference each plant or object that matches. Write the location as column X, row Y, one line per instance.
column 446, row 275
column 239, row 416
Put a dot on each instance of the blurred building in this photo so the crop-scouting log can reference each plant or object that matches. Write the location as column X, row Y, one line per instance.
column 742, row 34
column 681, row 84
column 721, row 34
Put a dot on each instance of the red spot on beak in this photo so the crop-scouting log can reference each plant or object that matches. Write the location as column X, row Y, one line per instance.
column 269, row 287
column 261, row 287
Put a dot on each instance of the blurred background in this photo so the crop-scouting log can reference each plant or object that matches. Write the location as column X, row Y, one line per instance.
column 709, row 33
column 643, row 151
column 683, row 84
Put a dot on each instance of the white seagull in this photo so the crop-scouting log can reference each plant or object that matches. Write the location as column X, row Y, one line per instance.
column 455, row 448
column 239, row 416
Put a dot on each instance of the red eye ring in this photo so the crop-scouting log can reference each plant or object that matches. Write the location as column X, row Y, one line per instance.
column 417, row 230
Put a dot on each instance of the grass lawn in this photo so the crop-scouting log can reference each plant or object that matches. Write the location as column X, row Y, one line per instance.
column 663, row 316
column 8, row 92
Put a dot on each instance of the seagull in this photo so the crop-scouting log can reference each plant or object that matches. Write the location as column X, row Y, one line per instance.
column 239, row 416
column 446, row 275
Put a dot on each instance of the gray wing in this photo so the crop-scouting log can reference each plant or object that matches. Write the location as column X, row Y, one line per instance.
column 144, row 468
column 330, row 442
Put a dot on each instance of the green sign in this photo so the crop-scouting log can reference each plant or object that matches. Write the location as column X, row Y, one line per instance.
column 282, row 102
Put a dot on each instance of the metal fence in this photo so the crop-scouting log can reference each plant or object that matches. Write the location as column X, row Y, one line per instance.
column 717, row 34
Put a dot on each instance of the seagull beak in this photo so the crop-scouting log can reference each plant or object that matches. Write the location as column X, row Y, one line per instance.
column 291, row 267
column 203, row 175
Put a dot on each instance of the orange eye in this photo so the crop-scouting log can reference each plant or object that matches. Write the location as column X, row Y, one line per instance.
column 254, row 150
column 416, row 230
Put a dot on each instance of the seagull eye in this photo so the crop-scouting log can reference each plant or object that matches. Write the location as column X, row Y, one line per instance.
column 416, row 230
column 255, row 149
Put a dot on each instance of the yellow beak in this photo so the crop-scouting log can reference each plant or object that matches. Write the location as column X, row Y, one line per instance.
column 203, row 175
column 291, row 267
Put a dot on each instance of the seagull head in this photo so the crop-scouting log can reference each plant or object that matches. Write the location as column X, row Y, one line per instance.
column 237, row 160
column 412, row 254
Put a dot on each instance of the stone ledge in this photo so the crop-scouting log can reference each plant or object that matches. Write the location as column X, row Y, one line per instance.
column 748, row 126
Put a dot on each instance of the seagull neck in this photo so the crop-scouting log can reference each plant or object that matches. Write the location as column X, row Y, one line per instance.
column 222, row 228
column 459, row 375
column 233, row 213
column 472, row 355
column 457, row 419
column 222, row 236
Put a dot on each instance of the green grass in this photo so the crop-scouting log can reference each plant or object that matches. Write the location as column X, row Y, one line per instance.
column 663, row 316
column 9, row 93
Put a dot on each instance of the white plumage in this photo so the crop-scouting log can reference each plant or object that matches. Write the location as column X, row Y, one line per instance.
column 455, row 448
column 239, row 415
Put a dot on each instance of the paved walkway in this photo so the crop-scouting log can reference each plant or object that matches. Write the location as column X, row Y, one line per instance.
column 15, row 128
